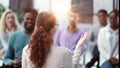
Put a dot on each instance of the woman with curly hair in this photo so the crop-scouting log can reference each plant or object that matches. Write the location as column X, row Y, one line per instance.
column 41, row 52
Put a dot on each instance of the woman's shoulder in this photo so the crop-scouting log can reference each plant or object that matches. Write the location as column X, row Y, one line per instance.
column 62, row 50
column 25, row 49
column 103, row 29
column 80, row 31
column 1, row 33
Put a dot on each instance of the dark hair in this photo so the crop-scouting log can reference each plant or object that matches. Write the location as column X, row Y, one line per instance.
column 114, row 11
column 33, row 11
column 102, row 10
column 41, row 39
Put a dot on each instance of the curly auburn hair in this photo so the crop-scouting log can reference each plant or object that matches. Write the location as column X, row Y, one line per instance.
column 41, row 39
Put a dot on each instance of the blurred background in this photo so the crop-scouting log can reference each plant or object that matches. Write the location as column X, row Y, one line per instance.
column 87, row 9
column 87, row 12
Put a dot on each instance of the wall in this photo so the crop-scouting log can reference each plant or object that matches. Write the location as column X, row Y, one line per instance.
column 101, row 4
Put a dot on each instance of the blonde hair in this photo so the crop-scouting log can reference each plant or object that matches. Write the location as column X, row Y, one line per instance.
column 3, row 26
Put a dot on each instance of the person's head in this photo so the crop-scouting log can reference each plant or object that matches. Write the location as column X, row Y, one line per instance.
column 113, row 16
column 102, row 16
column 73, row 18
column 29, row 19
column 42, row 38
column 9, row 21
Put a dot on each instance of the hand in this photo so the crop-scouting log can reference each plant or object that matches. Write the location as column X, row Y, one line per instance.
column 78, row 48
column 16, row 63
column 2, row 52
column 82, row 39
column 114, row 60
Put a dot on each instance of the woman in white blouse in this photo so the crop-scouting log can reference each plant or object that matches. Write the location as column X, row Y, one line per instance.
column 42, row 53
column 8, row 24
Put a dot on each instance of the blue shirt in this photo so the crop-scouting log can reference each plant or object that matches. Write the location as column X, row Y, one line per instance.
column 16, row 44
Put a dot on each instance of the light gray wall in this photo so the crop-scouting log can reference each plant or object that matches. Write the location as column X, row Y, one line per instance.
column 101, row 4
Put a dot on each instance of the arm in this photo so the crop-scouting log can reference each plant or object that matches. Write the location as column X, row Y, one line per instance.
column 24, row 63
column 101, row 45
column 78, row 49
column 3, row 46
column 1, row 49
column 4, row 42
column 1, row 52
column 9, row 54
column 116, row 51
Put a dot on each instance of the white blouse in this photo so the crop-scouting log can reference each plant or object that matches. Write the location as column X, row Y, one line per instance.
column 4, row 38
column 58, row 57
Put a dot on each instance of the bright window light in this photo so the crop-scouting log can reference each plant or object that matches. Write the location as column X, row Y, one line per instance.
column 61, row 7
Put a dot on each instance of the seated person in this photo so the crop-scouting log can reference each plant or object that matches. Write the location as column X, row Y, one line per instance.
column 19, row 40
column 108, row 43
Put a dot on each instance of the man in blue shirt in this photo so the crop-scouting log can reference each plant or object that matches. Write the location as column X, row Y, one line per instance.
column 18, row 40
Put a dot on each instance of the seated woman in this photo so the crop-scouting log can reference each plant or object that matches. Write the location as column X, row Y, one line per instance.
column 42, row 53
column 8, row 25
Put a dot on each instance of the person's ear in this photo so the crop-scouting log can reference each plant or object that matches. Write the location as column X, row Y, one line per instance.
column 53, row 30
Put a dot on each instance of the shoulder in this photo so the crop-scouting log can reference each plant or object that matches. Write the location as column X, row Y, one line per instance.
column 80, row 32
column 60, row 30
column 103, row 29
column 63, row 50
column 25, row 50
column 19, row 32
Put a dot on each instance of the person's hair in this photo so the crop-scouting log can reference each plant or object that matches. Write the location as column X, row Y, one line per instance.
column 114, row 11
column 3, row 20
column 33, row 11
column 41, row 40
column 103, row 11
column 73, row 12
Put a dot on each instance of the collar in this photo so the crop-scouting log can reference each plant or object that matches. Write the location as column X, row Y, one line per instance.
column 111, row 30
column 9, row 31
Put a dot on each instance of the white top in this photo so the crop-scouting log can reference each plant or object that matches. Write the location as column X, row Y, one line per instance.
column 59, row 57
column 4, row 38
column 108, row 43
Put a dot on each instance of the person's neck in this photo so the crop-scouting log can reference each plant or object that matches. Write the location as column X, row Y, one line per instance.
column 103, row 25
column 9, row 29
column 28, row 32
column 114, row 27
column 72, row 28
